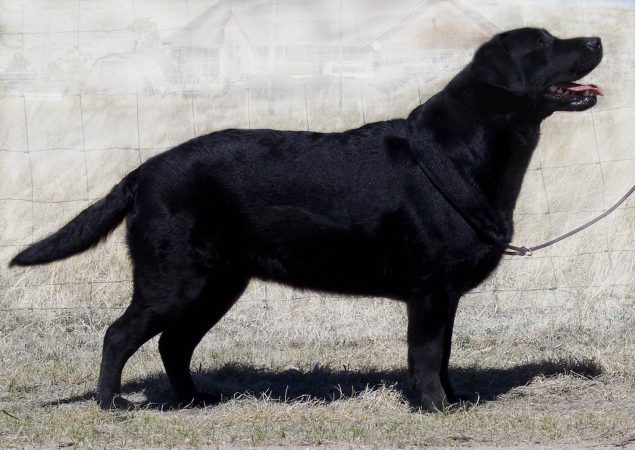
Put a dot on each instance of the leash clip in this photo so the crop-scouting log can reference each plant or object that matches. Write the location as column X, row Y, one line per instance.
column 524, row 251
column 518, row 251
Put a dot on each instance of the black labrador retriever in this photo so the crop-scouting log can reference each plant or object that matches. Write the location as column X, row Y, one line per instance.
column 417, row 210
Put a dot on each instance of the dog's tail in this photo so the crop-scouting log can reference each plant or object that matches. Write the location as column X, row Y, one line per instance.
column 86, row 230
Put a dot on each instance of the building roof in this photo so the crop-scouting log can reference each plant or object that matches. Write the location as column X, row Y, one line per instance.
column 350, row 23
column 437, row 24
column 297, row 22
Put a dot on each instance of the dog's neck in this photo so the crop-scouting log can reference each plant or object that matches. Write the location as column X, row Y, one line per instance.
column 499, row 132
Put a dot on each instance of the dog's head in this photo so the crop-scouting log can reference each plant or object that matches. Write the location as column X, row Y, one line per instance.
column 531, row 62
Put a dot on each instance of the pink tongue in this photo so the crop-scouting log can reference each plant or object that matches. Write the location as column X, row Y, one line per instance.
column 581, row 87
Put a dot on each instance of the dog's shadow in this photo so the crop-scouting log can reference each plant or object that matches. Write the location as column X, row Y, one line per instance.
column 326, row 384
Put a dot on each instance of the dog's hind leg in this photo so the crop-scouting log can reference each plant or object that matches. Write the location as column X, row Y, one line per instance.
column 124, row 337
column 178, row 341
column 156, row 302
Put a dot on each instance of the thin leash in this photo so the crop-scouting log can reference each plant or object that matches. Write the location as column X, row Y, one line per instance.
column 510, row 249
column 528, row 251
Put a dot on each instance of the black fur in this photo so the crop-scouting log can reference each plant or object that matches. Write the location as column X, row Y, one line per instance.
column 86, row 230
column 347, row 212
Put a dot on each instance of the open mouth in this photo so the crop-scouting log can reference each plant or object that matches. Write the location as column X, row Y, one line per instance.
column 573, row 96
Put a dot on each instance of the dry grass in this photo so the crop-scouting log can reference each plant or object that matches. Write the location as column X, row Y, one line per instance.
column 554, row 369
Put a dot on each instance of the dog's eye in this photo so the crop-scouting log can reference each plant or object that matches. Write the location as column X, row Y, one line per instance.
column 541, row 43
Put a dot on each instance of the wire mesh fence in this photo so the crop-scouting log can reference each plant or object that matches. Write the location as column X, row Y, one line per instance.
column 87, row 97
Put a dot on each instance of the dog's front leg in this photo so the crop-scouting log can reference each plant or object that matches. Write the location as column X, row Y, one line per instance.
column 430, row 320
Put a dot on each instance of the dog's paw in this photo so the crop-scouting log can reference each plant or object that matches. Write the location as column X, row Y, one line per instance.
column 116, row 403
column 434, row 401
column 443, row 403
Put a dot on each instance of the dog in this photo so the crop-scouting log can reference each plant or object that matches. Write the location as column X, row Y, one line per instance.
column 351, row 212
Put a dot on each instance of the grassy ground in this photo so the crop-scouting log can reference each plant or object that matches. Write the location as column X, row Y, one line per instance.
column 555, row 369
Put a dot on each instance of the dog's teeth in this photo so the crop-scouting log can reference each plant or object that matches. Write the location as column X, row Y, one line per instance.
column 586, row 93
column 553, row 88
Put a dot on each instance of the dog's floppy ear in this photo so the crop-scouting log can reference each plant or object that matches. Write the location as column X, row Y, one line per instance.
column 493, row 64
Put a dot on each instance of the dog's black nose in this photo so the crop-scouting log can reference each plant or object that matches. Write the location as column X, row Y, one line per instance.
column 594, row 43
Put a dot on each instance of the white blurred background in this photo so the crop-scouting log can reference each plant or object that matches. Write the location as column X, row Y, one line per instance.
column 90, row 89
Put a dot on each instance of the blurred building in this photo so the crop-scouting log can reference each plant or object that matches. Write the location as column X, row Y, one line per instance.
column 258, row 42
